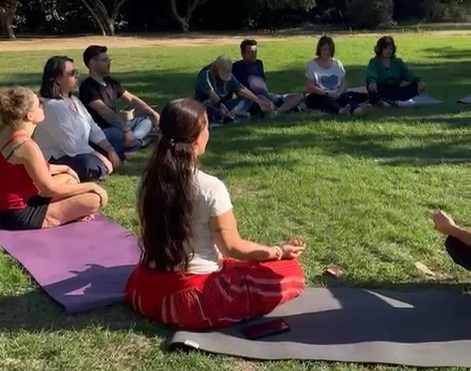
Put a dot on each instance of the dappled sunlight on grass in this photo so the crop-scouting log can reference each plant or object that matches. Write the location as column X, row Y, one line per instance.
column 360, row 191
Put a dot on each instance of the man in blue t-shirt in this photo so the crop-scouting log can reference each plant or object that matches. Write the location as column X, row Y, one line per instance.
column 216, row 87
column 250, row 72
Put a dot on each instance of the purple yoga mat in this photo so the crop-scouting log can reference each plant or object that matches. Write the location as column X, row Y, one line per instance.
column 82, row 266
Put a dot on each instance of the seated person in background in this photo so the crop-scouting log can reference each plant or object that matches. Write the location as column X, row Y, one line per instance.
column 250, row 72
column 34, row 194
column 215, row 88
column 386, row 72
column 190, row 241
column 327, row 85
column 458, row 242
column 100, row 93
column 68, row 135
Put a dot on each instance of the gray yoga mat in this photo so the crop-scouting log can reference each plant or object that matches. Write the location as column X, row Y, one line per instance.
column 465, row 100
column 427, row 328
column 420, row 100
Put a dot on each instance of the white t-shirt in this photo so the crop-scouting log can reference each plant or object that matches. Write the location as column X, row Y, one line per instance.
column 328, row 79
column 213, row 200
column 65, row 132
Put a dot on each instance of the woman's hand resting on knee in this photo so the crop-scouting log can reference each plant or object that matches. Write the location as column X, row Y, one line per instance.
column 293, row 249
column 101, row 193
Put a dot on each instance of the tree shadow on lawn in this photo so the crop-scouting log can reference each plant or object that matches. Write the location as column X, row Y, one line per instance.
column 35, row 312
column 445, row 82
column 428, row 149
column 160, row 86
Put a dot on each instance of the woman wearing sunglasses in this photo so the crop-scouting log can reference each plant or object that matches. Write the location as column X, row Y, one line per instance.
column 68, row 135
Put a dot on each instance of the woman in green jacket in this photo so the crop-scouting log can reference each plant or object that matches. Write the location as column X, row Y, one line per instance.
column 386, row 72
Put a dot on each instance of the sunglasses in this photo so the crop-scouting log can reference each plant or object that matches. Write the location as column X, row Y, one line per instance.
column 73, row 73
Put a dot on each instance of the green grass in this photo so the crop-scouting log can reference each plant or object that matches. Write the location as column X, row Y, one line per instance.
column 359, row 190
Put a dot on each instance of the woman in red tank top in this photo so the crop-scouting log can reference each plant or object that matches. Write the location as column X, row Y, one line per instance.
column 34, row 194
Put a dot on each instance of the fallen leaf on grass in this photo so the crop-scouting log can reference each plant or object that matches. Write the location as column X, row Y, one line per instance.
column 436, row 276
column 424, row 269
column 334, row 271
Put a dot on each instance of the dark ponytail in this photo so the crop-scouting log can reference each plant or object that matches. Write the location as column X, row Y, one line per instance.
column 168, row 195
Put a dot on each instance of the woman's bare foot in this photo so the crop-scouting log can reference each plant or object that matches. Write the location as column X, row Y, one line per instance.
column 345, row 110
column 362, row 110
column 86, row 219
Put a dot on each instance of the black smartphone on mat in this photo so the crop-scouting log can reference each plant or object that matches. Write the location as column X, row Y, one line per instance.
column 264, row 329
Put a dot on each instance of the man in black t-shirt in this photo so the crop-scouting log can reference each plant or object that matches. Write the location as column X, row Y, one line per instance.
column 100, row 93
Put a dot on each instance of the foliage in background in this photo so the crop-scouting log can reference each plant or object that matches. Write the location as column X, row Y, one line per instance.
column 110, row 16
column 370, row 13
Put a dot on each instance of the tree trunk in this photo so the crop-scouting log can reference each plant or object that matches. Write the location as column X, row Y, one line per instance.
column 104, row 20
column 7, row 27
column 184, row 20
column 7, row 17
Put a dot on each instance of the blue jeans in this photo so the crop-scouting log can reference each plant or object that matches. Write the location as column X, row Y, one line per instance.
column 238, row 104
column 276, row 99
column 87, row 166
column 141, row 127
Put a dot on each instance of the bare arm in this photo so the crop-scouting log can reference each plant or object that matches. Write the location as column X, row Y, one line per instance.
column 246, row 93
column 213, row 96
column 461, row 233
column 225, row 235
column 313, row 88
column 343, row 86
column 109, row 115
column 445, row 224
column 58, row 169
column 139, row 104
column 33, row 160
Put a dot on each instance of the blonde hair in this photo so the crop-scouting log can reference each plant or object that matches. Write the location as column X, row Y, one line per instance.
column 15, row 103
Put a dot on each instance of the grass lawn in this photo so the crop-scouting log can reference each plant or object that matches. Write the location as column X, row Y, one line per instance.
column 360, row 191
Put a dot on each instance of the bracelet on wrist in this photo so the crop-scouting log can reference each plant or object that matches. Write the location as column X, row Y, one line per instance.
column 279, row 252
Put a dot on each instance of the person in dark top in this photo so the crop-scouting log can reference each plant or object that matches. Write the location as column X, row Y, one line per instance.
column 385, row 74
column 249, row 71
column 215, row 88
column 458, row 241
column 100, row 93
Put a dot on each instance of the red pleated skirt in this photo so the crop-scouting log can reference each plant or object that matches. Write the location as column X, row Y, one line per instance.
column 240, row 291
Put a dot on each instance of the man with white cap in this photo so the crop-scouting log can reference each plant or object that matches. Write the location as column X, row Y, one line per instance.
column 215, row 88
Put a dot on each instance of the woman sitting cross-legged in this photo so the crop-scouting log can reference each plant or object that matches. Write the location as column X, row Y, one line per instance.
column 34, row 194
column 385, row 74
column 195, row 271
column 327, row 85
column 68, row 135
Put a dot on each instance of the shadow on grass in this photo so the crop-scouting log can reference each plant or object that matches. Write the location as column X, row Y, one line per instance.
column 35, row 312
column 160, row 86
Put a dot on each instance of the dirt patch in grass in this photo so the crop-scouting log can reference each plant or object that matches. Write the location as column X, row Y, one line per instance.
column 24, row 43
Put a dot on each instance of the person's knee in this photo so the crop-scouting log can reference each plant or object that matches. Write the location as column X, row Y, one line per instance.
column 95, row 202
column 90, row 167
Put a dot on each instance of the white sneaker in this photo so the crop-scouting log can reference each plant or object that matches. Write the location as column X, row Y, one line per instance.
column 345, row 110
column 405, row 103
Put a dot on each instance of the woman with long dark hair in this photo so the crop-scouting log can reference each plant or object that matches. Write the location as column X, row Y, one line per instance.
column 195, row 270
column 68, row 135
column 385, row 74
